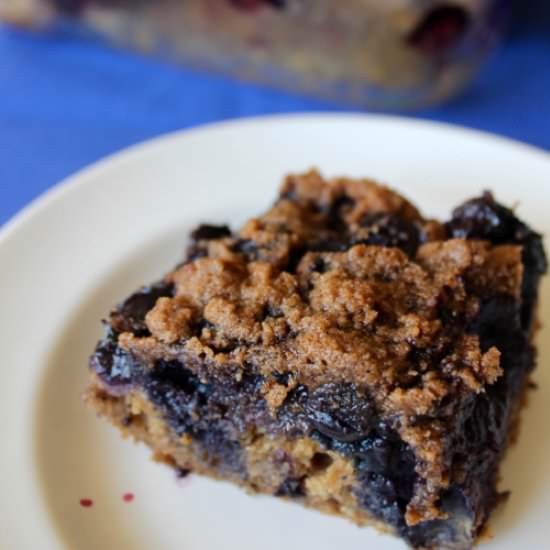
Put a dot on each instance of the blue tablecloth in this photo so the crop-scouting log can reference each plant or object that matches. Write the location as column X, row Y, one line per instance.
column 66, row 103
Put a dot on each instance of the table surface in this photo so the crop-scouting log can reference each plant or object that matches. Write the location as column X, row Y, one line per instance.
column 67, row 103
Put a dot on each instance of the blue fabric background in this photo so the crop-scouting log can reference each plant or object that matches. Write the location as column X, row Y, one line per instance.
column 65, row 103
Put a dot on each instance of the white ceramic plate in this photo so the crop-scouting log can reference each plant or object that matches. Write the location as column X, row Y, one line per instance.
column 80, row 248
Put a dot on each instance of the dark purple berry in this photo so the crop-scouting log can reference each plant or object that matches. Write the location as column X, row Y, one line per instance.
column 387, row 230
column 207, row 232
column 336, row 411
column 115, row 367
column 440, row 30
column 201, row 236
column 129, row 316
column 483, row 218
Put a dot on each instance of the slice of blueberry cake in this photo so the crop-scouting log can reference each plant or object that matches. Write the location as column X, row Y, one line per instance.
column 341, row 351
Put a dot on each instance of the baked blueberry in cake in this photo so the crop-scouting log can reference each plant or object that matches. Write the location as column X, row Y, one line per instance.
column 341, row 351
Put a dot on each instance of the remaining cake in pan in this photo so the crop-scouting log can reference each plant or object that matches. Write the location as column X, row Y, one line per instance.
column 381, row 54
column 341, row 351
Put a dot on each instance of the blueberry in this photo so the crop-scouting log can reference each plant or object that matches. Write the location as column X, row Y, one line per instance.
column 331, row 413
column 207, row 232
column 198, row 409
column 378, row 494
column 440, row 30
column 386, row 473
column 339, row 412
column 499, row 317
column 388, row 230
column 129, row 316
column 483, row 218
column 114, row 366
column 201, row 236
column 455, row 532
